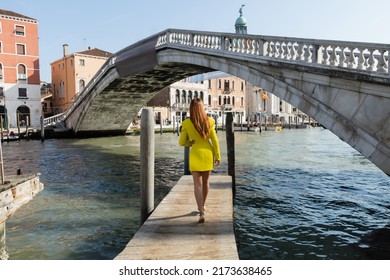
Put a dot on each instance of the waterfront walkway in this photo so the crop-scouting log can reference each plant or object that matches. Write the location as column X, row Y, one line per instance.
column 172, row 233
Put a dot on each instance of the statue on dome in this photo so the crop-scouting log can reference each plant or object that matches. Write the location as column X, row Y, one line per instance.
column 240, row 10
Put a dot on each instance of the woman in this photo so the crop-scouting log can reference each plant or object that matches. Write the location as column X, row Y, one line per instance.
column 196, row 133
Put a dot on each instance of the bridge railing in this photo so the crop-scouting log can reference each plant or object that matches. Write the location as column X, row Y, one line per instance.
column 367, row 57
column 53, row 119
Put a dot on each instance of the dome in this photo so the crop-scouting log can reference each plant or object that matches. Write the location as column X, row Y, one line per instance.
column 241, row 21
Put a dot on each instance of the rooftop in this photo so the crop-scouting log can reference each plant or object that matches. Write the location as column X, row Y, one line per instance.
column 13, row 14
column 95, row 52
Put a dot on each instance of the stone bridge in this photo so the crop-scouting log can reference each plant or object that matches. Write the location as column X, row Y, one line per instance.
column 343, row 85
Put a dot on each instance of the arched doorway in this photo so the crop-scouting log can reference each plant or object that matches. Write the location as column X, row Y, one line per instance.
column 23, row 115
column 3, row 116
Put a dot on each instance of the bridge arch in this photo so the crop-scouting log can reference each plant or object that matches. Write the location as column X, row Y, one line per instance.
column 344, row 86
column 344, row 106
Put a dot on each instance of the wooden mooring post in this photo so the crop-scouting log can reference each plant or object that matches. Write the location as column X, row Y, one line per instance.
column 187, row 161
column 230, row 148
column 147, row 163
column 42, row 129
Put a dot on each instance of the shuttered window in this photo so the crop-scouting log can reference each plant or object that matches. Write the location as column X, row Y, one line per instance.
column 20, row 49
column 19, row 30
column 23, row 92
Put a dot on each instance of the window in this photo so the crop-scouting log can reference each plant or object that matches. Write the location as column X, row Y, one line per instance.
column 1, row 71
column 177, row 97
column 1, row 47
column 22, row 73
column 1, row 92
column 183, row 97
column 1, row 29
column 20, row 49
column 19, row 30
column 81, row 85
column 81, row 62
column 226, row 86
column 22, row 93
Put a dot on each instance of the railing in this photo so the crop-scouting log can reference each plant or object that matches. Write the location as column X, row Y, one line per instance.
column 53, row 119
column 367, row 57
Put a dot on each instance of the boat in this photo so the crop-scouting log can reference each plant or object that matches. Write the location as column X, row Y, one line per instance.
column 9, row 136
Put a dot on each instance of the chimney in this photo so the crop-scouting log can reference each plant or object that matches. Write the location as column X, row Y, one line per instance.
column 65, row 49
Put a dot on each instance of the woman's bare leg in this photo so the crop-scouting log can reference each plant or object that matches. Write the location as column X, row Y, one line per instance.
column 205, row 186
column 198, row 191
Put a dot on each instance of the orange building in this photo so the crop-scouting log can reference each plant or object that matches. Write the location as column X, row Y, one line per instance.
column 72, row 73
column 19, row 70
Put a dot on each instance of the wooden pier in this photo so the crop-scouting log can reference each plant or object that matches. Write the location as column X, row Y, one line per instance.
column 172, row 231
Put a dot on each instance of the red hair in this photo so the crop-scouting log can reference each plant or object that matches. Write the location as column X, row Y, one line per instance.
column 199, row 118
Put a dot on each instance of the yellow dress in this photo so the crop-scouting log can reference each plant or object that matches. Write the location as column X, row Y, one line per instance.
column 201, row 154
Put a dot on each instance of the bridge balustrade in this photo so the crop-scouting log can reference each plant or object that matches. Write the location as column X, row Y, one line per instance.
column 368, row 57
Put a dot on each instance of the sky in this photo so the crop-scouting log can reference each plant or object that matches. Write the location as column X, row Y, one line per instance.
column 116, row 24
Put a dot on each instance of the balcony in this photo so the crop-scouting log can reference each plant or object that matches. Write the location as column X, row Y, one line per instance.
column 22, row 77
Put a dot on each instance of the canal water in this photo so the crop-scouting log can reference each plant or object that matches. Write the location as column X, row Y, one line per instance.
column 300, row 194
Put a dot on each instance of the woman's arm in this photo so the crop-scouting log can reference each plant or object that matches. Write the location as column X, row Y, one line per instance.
column 184, row 140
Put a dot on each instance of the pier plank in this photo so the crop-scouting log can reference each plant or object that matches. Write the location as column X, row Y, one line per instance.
column 172, row 231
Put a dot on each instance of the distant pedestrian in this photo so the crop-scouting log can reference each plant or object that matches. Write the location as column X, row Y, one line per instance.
column 198, row 132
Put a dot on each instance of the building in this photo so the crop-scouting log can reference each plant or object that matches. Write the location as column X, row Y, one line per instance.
column 46, row 100
column 225, row 93
column 171, row 104
column 72, row 73
column 219, row 92
column 20, row 100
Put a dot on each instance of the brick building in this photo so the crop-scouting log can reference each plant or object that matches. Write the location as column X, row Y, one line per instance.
column 71, row 74
column 19, row 70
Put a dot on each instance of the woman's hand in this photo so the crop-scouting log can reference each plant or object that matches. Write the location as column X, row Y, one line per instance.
column 217, row 162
